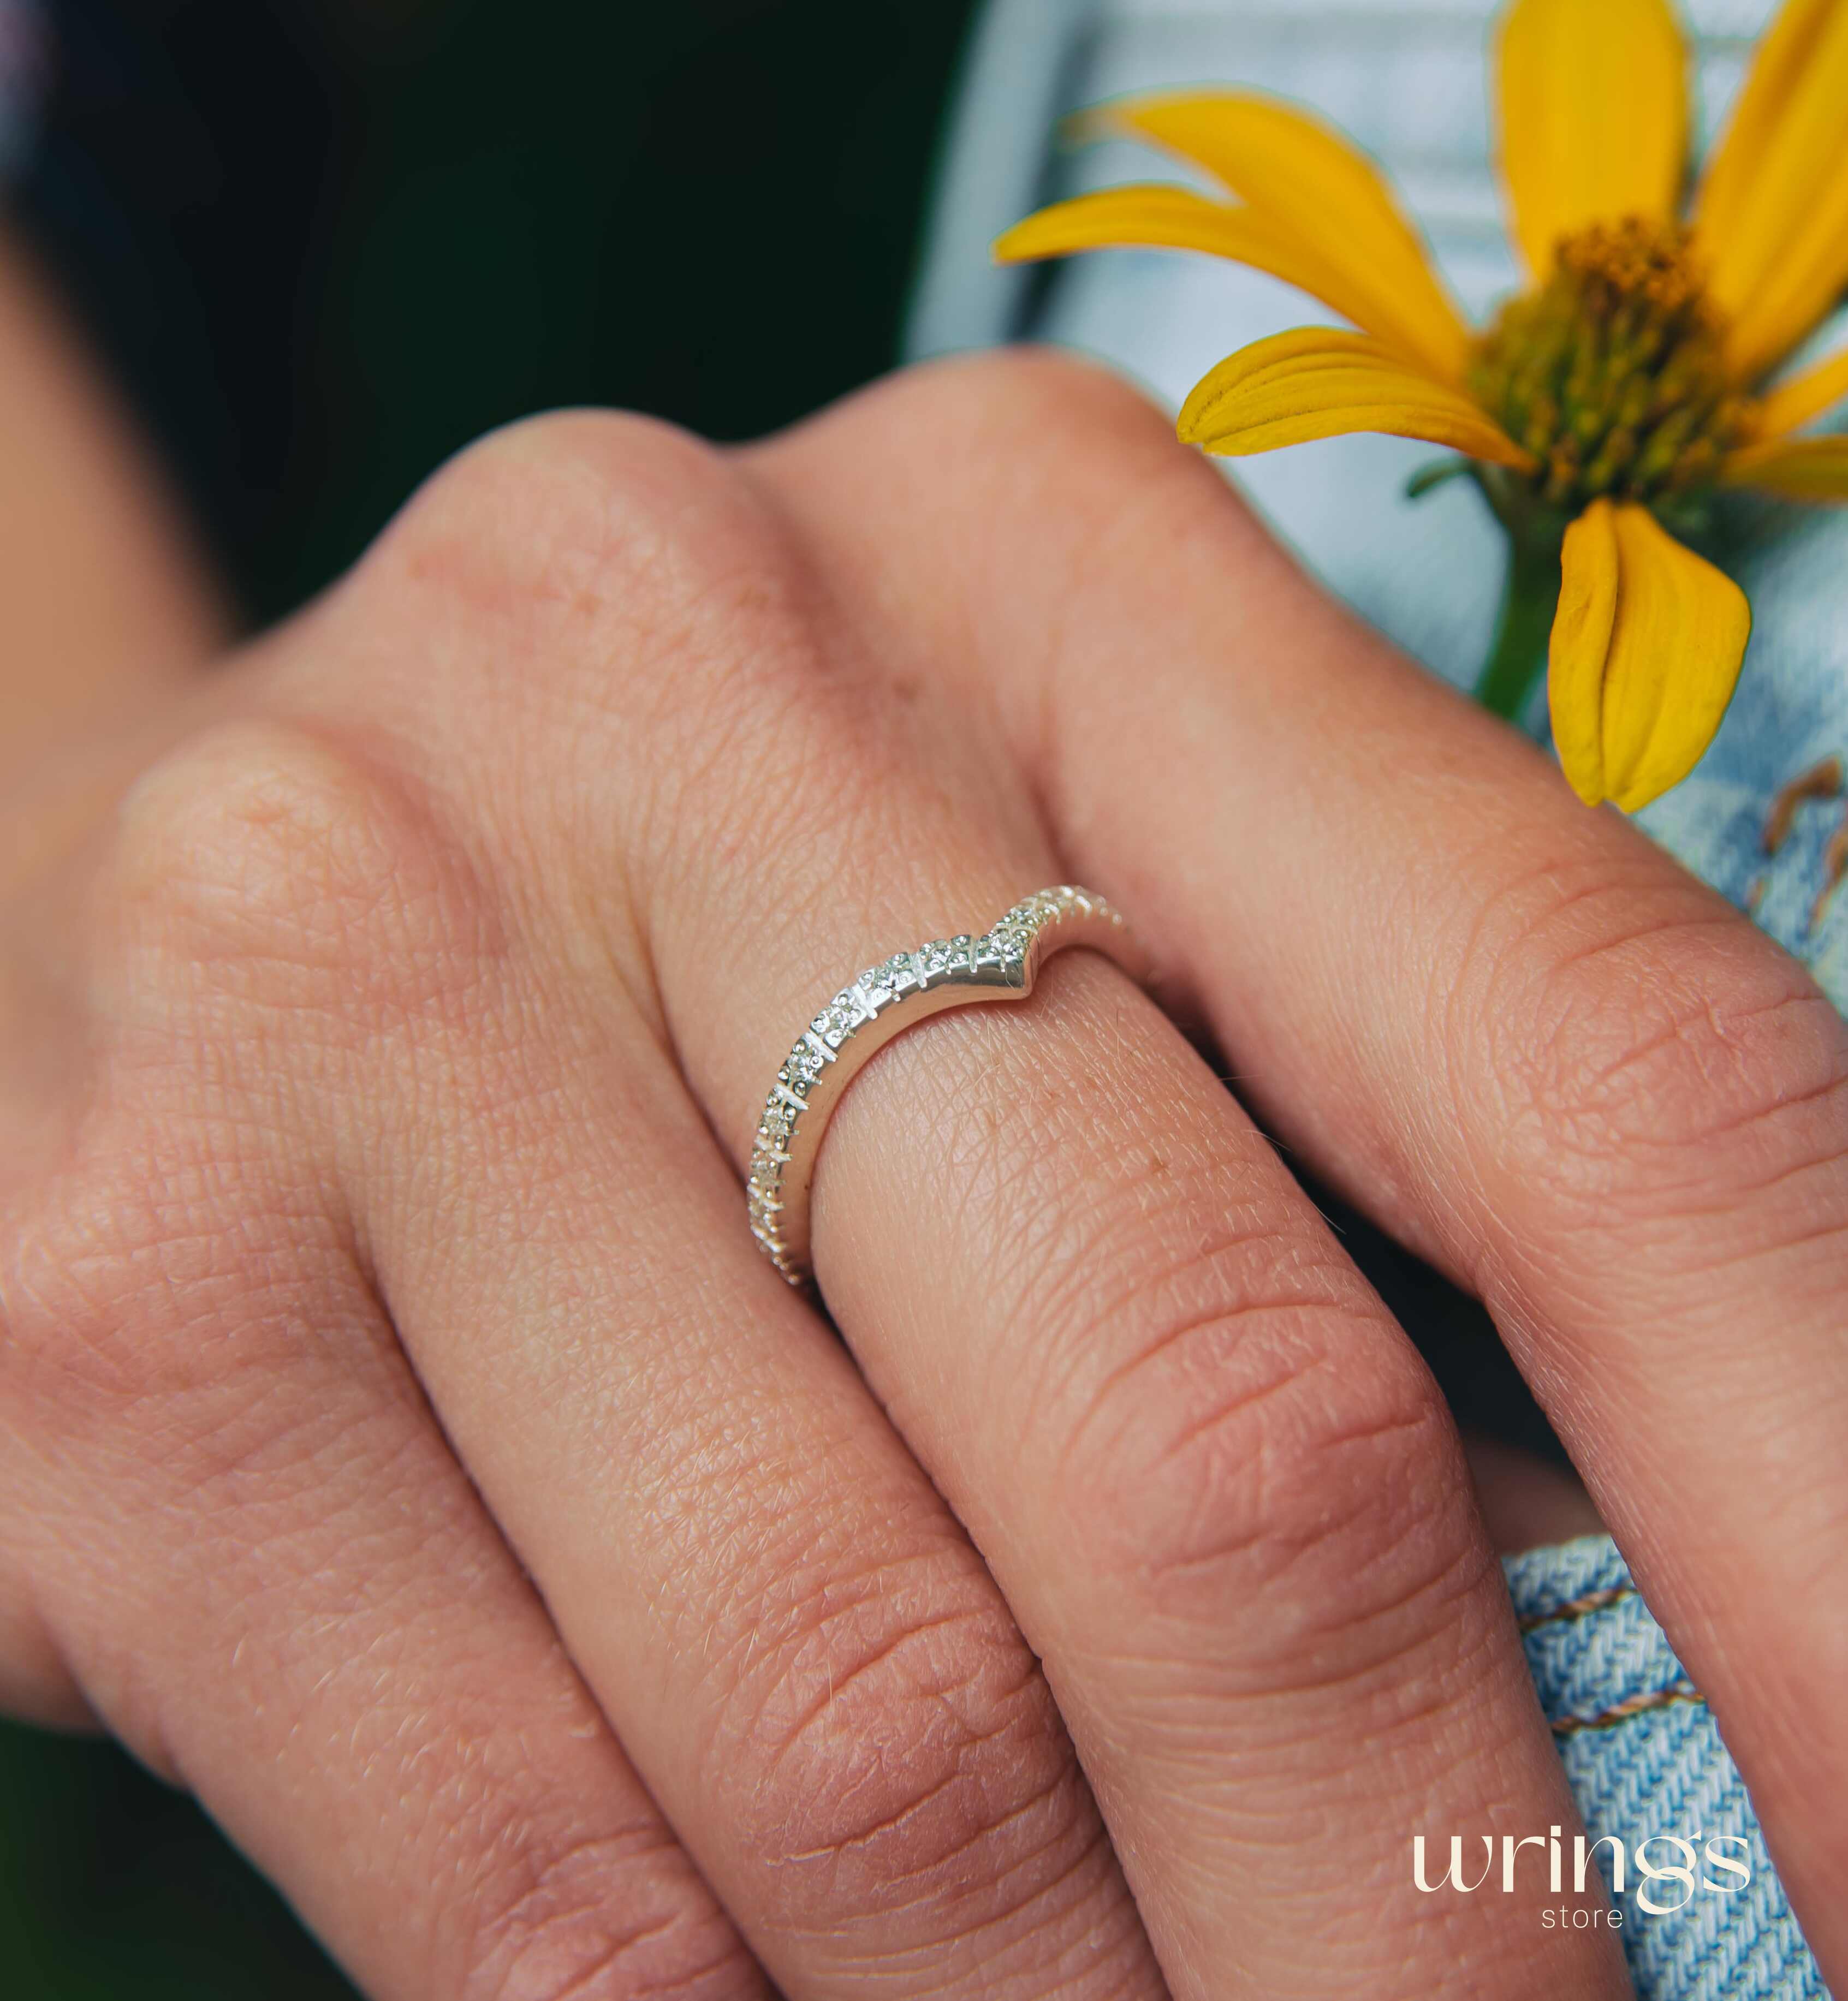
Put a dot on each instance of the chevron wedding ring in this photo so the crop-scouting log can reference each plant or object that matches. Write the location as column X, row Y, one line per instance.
column 1001, row 964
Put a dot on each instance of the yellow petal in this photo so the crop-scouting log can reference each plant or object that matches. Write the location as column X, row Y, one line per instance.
column 1580, row 647
column 1318, row 382
column 1792, row 405
column 1784, row 53
column 1785, row 50
column 1645, row 653
column 1154, row 216
column 1814, row 469
column 1594, row 116
column 1324, row 194
column 1772, row 214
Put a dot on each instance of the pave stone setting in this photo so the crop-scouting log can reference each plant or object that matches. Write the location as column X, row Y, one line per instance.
column 1001, row 964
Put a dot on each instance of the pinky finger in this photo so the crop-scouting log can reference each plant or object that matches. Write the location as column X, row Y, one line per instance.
column 314, row 1625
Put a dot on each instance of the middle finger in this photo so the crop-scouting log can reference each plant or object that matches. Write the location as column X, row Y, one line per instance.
column 1218, row 1487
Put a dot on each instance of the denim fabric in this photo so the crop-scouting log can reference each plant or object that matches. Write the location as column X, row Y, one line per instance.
column 1409, row 79
column 1645, row 1759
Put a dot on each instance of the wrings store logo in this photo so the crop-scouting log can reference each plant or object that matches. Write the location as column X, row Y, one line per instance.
column 1662, row 1885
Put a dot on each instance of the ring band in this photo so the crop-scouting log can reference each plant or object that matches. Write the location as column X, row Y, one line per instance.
column 1001, row 965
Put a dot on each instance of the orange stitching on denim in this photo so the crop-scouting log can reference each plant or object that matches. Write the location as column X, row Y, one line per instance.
column 1635, row 1705
column 1577, row 1608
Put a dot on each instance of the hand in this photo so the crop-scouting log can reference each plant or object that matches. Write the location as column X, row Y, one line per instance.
column 406, row 1446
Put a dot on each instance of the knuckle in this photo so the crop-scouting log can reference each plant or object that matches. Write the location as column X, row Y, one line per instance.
column 269, row 898
column 608, row 591
column 619, row 1918
column 1263, row 1435
column 1647, row 1054
column 613, row 558
column 1070, row 444
column 1103, row 457
column 1085, row 407
column 542, row 508
column 1036, row 433
column 908, row 1771
column 269, row 861
column 1049, row 393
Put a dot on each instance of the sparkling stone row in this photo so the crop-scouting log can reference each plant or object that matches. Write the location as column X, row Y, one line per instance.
column 876, row 991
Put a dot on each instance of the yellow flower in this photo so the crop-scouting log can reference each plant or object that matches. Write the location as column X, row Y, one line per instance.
column 1608, row 402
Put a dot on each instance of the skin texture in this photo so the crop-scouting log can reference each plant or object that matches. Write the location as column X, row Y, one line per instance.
column 404, row 1444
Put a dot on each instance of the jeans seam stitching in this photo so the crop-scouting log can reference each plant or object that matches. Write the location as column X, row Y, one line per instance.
column 1652, row 1700
column 1577, row 1608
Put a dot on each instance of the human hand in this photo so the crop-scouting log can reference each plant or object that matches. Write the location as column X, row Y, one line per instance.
column 407, row 1448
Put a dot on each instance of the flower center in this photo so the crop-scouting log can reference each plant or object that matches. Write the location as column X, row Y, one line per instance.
column 1611, row 373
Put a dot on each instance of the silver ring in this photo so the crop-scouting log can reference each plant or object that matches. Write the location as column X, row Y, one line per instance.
column 1001, row 964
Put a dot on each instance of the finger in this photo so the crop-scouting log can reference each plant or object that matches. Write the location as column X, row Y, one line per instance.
column 1540, row 1052
column 821, row 1684
column 814, row 1672
column 249, row 1545
column 314, row 1628
column 108, row 604
column 1215, row 1484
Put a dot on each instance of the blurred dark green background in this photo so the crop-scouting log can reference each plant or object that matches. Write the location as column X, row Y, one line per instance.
column 323, row 245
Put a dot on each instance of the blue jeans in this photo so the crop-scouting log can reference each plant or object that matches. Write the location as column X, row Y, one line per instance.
column 1645, row 1760
column 1409, row 80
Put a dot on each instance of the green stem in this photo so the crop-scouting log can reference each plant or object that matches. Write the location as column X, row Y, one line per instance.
column 1529, row 601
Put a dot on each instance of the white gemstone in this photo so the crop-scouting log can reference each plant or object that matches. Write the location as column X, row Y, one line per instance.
column 1015, row 938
